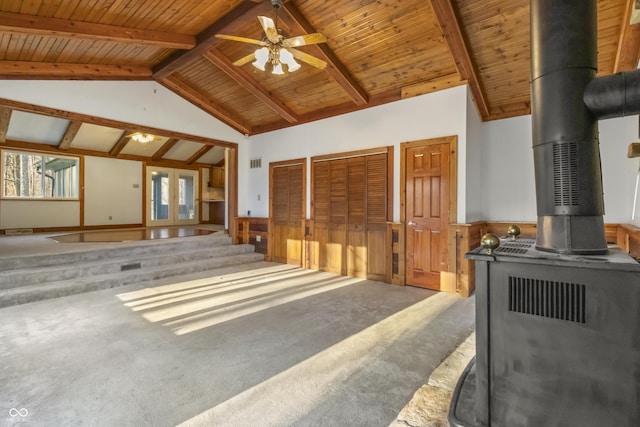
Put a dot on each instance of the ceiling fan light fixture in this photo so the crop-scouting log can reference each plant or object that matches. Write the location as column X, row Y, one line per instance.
column 276, row 56
column 277, row 69
column 287, row 58
column 142, row 138
column 262, row 56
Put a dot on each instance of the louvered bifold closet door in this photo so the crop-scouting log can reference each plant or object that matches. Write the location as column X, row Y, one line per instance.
column 357, row 213
column 349, row 217
column 330, row 222
column 376, row 219
column 288, row 214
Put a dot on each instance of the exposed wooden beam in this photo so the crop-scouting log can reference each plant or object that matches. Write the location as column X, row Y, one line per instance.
column 450, row 28
column 54, row 27
column 628, row 53
column 121, row 143
column 250, row 84
column 207, row 39
column 298, row 22
column 207, row 104
column 201, row 152
column 220, row 163
column 5, row 118
column 26, row 70
column 69, row 134
column 168, row 145
column 62, row 114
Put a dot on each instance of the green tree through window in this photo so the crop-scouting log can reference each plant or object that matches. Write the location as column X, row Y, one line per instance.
column 39, row 176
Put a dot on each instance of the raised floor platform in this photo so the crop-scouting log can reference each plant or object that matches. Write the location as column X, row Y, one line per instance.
column 35, row 267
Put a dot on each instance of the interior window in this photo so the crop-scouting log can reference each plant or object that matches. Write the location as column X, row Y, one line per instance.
column 39, row 176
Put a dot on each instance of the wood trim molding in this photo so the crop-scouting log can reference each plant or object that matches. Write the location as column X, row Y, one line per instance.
column 81, row 190
column 346, row 154
column 232, row 189
column 83, row 228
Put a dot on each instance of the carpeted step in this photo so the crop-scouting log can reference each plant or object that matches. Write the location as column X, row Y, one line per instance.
column 141, row 258
column 74, row 253
column 143, row 275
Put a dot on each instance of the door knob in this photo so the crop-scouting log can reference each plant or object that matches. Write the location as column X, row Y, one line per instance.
column 411, row 223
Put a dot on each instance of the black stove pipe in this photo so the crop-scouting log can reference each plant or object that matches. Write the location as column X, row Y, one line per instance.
column 567, row 100
column 616, row 95
column 568, row 174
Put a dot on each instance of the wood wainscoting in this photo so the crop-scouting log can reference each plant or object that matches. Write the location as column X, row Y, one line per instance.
column 389, row 250
column 253, row 231
column 628, row 239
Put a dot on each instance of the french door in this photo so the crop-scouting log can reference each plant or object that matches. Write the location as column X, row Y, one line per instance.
column 171, row 196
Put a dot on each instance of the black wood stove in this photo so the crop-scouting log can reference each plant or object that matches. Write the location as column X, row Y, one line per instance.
column 558, row 317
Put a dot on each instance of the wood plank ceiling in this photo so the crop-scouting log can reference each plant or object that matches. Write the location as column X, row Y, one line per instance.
column 377, row 51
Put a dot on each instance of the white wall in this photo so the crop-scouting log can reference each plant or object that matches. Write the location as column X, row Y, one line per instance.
column 509, row 181
column 618, row 172
column 474, row 170
column 32, row 213
column 428, row 116
column 113, row 191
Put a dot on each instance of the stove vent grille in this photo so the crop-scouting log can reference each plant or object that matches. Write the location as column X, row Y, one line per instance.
column 511, row 250
column 516, row 246
column 565, row 174
column 547, row 298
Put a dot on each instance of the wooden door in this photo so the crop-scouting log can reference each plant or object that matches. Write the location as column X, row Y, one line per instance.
column 427, row 214
column 287, row 213
column 350, row 199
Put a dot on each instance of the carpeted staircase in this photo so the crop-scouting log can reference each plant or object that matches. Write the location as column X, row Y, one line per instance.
column 38, row 277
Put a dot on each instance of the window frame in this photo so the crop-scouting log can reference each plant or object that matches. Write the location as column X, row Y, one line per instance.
column 42, row 155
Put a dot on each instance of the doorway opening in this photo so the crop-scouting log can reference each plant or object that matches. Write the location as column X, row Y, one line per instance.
column 172, row 196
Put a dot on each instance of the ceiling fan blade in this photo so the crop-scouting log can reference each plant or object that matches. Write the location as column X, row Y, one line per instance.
column 240, row 39
column 244, row 60
column 269, row 29
column 314, row 38
column 305, row 57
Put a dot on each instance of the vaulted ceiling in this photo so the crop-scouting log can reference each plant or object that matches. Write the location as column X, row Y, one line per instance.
column 377, row 51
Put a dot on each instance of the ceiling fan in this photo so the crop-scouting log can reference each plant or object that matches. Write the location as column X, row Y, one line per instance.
column 278, row 53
